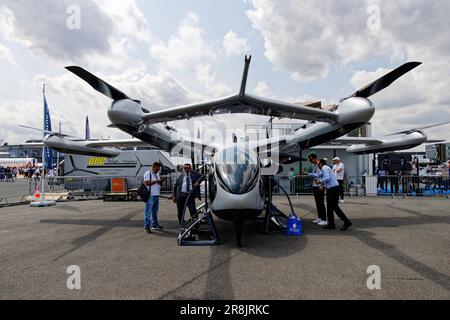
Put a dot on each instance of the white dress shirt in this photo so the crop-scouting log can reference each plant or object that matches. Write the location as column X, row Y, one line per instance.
column 184, row 183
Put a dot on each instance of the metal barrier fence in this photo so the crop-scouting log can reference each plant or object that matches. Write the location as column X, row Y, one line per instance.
column 16, row 191
column 386, row 185
column 21, row 190
column 414, row 185
column 303, row 185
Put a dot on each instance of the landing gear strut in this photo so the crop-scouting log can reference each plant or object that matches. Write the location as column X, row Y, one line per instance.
column 200, row 230
column 237, row 220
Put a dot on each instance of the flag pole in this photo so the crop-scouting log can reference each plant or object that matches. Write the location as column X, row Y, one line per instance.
column 43, row 202
column 43, row 152
column 57, row 155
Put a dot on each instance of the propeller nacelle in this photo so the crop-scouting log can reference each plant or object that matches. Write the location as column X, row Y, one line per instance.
column 355, row 110
column 125, row 112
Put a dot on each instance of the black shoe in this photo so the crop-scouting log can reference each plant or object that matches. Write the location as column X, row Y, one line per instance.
column 147, row 230
column 346, row 226
column 329, row 227
column 157, row 227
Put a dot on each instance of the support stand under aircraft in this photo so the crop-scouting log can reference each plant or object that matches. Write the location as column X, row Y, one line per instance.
column 200, row 229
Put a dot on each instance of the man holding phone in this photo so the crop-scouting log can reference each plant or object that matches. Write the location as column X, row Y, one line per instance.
column 153, row 182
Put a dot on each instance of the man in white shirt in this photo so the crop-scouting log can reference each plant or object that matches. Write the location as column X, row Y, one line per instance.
column 338, row 170
column 153, row 182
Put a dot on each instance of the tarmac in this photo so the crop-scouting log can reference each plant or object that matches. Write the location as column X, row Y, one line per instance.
column 408, row 239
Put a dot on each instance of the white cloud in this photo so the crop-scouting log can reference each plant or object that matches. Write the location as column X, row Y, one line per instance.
column 207, row 77
column 16, row 113
column 262, row 89
column 187, row 48
column 234, row 45
column 42, row 27
column 307, row 40
column 127, row 18
column 6, row 54
column 108, row 30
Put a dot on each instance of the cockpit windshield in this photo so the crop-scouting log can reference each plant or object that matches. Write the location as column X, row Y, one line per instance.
column 237, row 170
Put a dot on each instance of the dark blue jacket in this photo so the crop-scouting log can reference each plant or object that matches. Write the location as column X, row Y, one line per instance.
column 195, row 178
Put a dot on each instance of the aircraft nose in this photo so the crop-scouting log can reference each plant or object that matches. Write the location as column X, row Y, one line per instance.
column 420, row 136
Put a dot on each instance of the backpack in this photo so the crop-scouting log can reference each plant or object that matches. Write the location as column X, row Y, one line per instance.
column 143, row 192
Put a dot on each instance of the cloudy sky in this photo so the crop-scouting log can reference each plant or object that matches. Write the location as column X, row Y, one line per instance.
column 169, row 53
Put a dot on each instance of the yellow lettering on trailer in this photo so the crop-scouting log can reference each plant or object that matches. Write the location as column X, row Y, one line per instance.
column 97, row 161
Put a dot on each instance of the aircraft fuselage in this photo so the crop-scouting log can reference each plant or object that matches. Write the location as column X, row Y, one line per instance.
column 399, row 142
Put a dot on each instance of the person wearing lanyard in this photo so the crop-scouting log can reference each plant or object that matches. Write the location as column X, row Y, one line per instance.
column 152, row 181
column 186, row 183
column 327, row 178
column 319, row 193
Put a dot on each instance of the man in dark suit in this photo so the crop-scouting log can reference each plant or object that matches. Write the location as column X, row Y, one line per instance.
column 186, row 183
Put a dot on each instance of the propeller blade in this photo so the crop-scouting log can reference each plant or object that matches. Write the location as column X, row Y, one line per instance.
column 400, row 132
column 434, row 141
column 434, row 125
column 53, row 133
column 98, row 84
column 385, row 81
column 418, row 129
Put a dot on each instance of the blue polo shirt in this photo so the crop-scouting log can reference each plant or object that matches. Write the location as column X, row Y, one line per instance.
column 327, row 177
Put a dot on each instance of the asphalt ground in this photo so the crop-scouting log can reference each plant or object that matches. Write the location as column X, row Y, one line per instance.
column 409, row 239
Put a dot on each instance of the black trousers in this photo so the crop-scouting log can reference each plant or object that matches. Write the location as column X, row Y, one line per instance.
column 341, row 189
column 319, row 197
column 190, row 205
column 333, row 206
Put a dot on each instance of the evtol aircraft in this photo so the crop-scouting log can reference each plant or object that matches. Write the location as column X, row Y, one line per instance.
column 236, row 188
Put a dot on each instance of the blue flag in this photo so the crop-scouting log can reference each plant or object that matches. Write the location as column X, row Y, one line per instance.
column 47, row 127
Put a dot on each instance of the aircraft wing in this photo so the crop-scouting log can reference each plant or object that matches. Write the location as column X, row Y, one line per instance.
column 174, row 143
column 117, row 143
column 357, row 140
column 32, row 144
column 241, row 104
column 267, row 144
